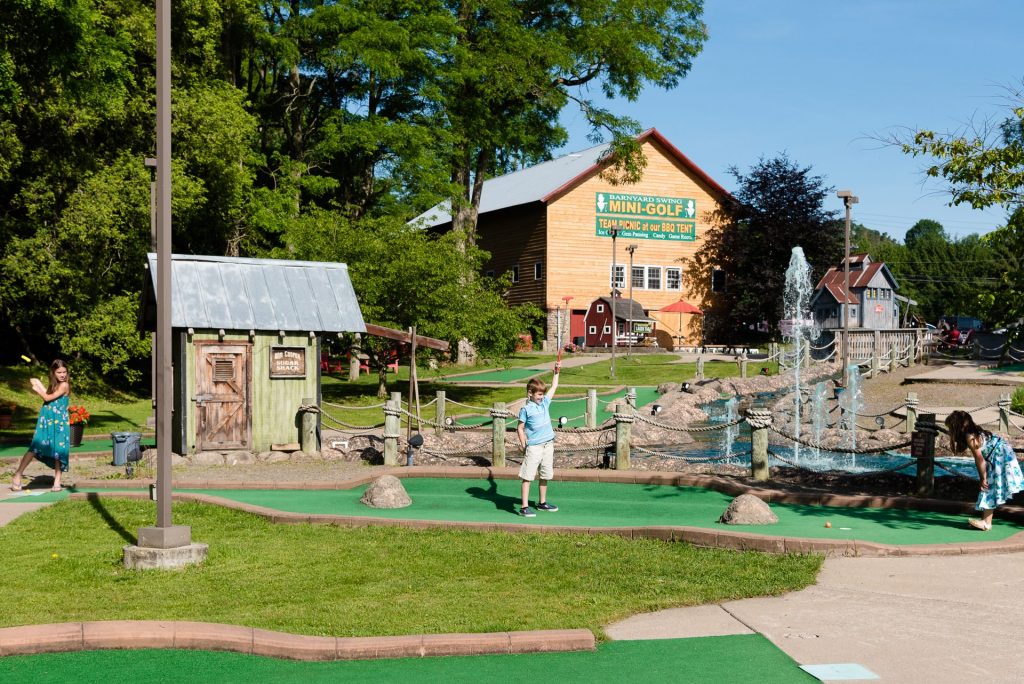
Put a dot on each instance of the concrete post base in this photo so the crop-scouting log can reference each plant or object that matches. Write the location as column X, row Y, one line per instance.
column 148, row 558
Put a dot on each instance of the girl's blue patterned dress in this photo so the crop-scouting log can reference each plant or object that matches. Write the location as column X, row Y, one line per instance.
column 51, row 442
column 1004, row 474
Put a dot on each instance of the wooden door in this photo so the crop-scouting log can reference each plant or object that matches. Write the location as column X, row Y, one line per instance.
column 223, row 413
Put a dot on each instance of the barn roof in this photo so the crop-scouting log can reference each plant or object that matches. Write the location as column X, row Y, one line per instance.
column 257, row 294
column 862, row 270
column 543, row 182
column 626, row 309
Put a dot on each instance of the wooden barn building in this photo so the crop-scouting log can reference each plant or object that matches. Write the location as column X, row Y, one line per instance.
column 871, row 303
column 552, row 225
column 246, row 345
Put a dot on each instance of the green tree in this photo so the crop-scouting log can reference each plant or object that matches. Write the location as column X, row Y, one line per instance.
column 984, row 167
column 778, row 205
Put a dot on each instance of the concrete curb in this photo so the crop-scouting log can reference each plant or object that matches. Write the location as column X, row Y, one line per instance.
column 130, row 634
column 711, row 538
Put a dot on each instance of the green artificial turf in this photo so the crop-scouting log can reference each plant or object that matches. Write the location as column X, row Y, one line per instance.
column 735, row 659
column 601, row 504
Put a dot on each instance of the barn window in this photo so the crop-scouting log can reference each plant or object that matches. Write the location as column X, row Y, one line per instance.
column 637, row 276
column 607, row 330
column 654, row 277
column 515, row 273
column 490, row 273
column 673, row 279
column 619, row 276
column 600, row 308
column 223, row 370
column 593, row 330
column 538, row 271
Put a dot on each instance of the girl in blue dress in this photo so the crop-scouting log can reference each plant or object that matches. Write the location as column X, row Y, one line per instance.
column 51, row 443
column 999, row 472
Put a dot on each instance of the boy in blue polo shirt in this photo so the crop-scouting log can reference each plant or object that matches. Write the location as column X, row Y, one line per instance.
column 537, row 439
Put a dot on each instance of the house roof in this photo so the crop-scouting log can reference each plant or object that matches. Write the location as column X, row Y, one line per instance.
column 257, row 294
column 626, row 309
column 834, row 280
column 545, row 181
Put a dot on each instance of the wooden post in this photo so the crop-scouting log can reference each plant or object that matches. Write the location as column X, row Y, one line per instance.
column 894, row 353
column 440, row 411
column 700, row 368
column 875, row 362
column 397, row 398
column 307, row 435
column 591, row 417
column 911, row 412
column 623, row 436
column 759, row 420
column 912, row 352
column 392, row 431
column 1004, row 414
column 353, row 357
column 807, row 355
column 743, row 365
column 498, row 416
column 922, row 447
column 631, row 397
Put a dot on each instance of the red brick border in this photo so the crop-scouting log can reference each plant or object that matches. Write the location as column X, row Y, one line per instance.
column 698, row 536
column 123, row 634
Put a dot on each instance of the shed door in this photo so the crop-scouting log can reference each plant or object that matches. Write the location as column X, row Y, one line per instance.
column 222, row 396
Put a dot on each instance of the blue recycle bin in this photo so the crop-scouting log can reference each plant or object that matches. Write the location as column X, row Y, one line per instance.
column 127, row 447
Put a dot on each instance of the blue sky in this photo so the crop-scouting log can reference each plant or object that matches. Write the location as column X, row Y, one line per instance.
column 817, row 78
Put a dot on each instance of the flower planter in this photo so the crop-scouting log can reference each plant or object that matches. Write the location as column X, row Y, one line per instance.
column 77, row 431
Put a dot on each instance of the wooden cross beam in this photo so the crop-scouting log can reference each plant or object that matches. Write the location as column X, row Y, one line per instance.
column 404, row 336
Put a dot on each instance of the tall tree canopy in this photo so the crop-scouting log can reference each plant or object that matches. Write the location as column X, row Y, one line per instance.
column 291, row 117
column 777, row 206
column 983, row 166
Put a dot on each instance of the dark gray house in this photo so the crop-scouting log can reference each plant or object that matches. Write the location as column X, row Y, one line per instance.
column 871, row 303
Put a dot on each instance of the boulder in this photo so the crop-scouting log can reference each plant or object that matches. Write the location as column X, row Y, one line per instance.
column 747, row 509
column 386, row 492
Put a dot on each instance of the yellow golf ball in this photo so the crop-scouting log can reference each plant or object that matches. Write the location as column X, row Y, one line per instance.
column 54, row 556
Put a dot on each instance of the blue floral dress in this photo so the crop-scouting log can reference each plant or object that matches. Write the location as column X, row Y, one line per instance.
column 1004, row 474
column 51, row 442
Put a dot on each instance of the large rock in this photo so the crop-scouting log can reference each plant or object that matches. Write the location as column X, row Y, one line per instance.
column 386, row 492
column 747, row 509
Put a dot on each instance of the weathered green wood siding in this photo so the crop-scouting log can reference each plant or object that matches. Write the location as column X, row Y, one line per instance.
column 274, row 401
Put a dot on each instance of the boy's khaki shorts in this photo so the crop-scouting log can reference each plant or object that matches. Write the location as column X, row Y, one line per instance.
column 538, row 456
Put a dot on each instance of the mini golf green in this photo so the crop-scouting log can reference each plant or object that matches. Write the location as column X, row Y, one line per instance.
column 88, row 446
column 575, row 408
column 507, row 375
column 702, row 660
column 604, row 504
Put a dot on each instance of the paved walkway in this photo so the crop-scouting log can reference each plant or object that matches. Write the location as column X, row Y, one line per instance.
column 971, row 371
column 920, row 619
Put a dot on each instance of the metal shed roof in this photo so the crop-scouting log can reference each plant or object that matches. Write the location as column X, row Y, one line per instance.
column 258, row 294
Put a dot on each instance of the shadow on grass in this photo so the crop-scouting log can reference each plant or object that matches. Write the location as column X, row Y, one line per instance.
column 97, row 504
column 501, row 502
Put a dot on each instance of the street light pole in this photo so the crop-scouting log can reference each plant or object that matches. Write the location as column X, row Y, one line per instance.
column 629, row 330
column 615, row 234
column 849, row 199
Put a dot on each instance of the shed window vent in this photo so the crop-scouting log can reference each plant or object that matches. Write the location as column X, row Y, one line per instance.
column 223, row 370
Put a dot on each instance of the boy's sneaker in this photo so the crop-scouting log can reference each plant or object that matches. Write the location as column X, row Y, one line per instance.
column 550, row 507
column 527, row 512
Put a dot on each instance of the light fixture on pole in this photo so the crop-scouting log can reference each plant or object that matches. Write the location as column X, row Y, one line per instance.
column 615, row 234
column 629, row 330
column 849, row 199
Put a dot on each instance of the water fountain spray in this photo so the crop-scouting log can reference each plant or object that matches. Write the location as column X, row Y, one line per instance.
column 798, row 324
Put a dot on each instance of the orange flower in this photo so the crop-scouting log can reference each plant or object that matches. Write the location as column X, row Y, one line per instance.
column 77, row 414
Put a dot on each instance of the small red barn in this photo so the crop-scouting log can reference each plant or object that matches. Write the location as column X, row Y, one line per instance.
column 630, row 316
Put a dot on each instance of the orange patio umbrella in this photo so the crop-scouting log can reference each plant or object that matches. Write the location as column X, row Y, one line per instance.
column 682, row 306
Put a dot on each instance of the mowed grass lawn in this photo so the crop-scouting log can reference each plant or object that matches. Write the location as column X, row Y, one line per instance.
column 654, row 369
column 63, row 563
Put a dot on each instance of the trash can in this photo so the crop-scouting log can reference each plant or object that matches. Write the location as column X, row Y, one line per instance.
column 127, row 447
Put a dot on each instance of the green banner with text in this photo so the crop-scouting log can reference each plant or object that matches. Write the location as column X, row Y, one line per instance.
column 645, row 216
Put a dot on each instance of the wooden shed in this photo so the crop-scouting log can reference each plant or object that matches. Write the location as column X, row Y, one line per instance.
column 246, row 345
column 871, row 303
column 633, row 323
column 551, row 227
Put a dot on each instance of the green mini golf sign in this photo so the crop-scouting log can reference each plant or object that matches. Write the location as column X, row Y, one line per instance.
column 646, row 216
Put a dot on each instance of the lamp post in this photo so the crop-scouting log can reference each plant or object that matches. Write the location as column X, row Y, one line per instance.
column 629, row 330
column 849, row 199
column 615, row 234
